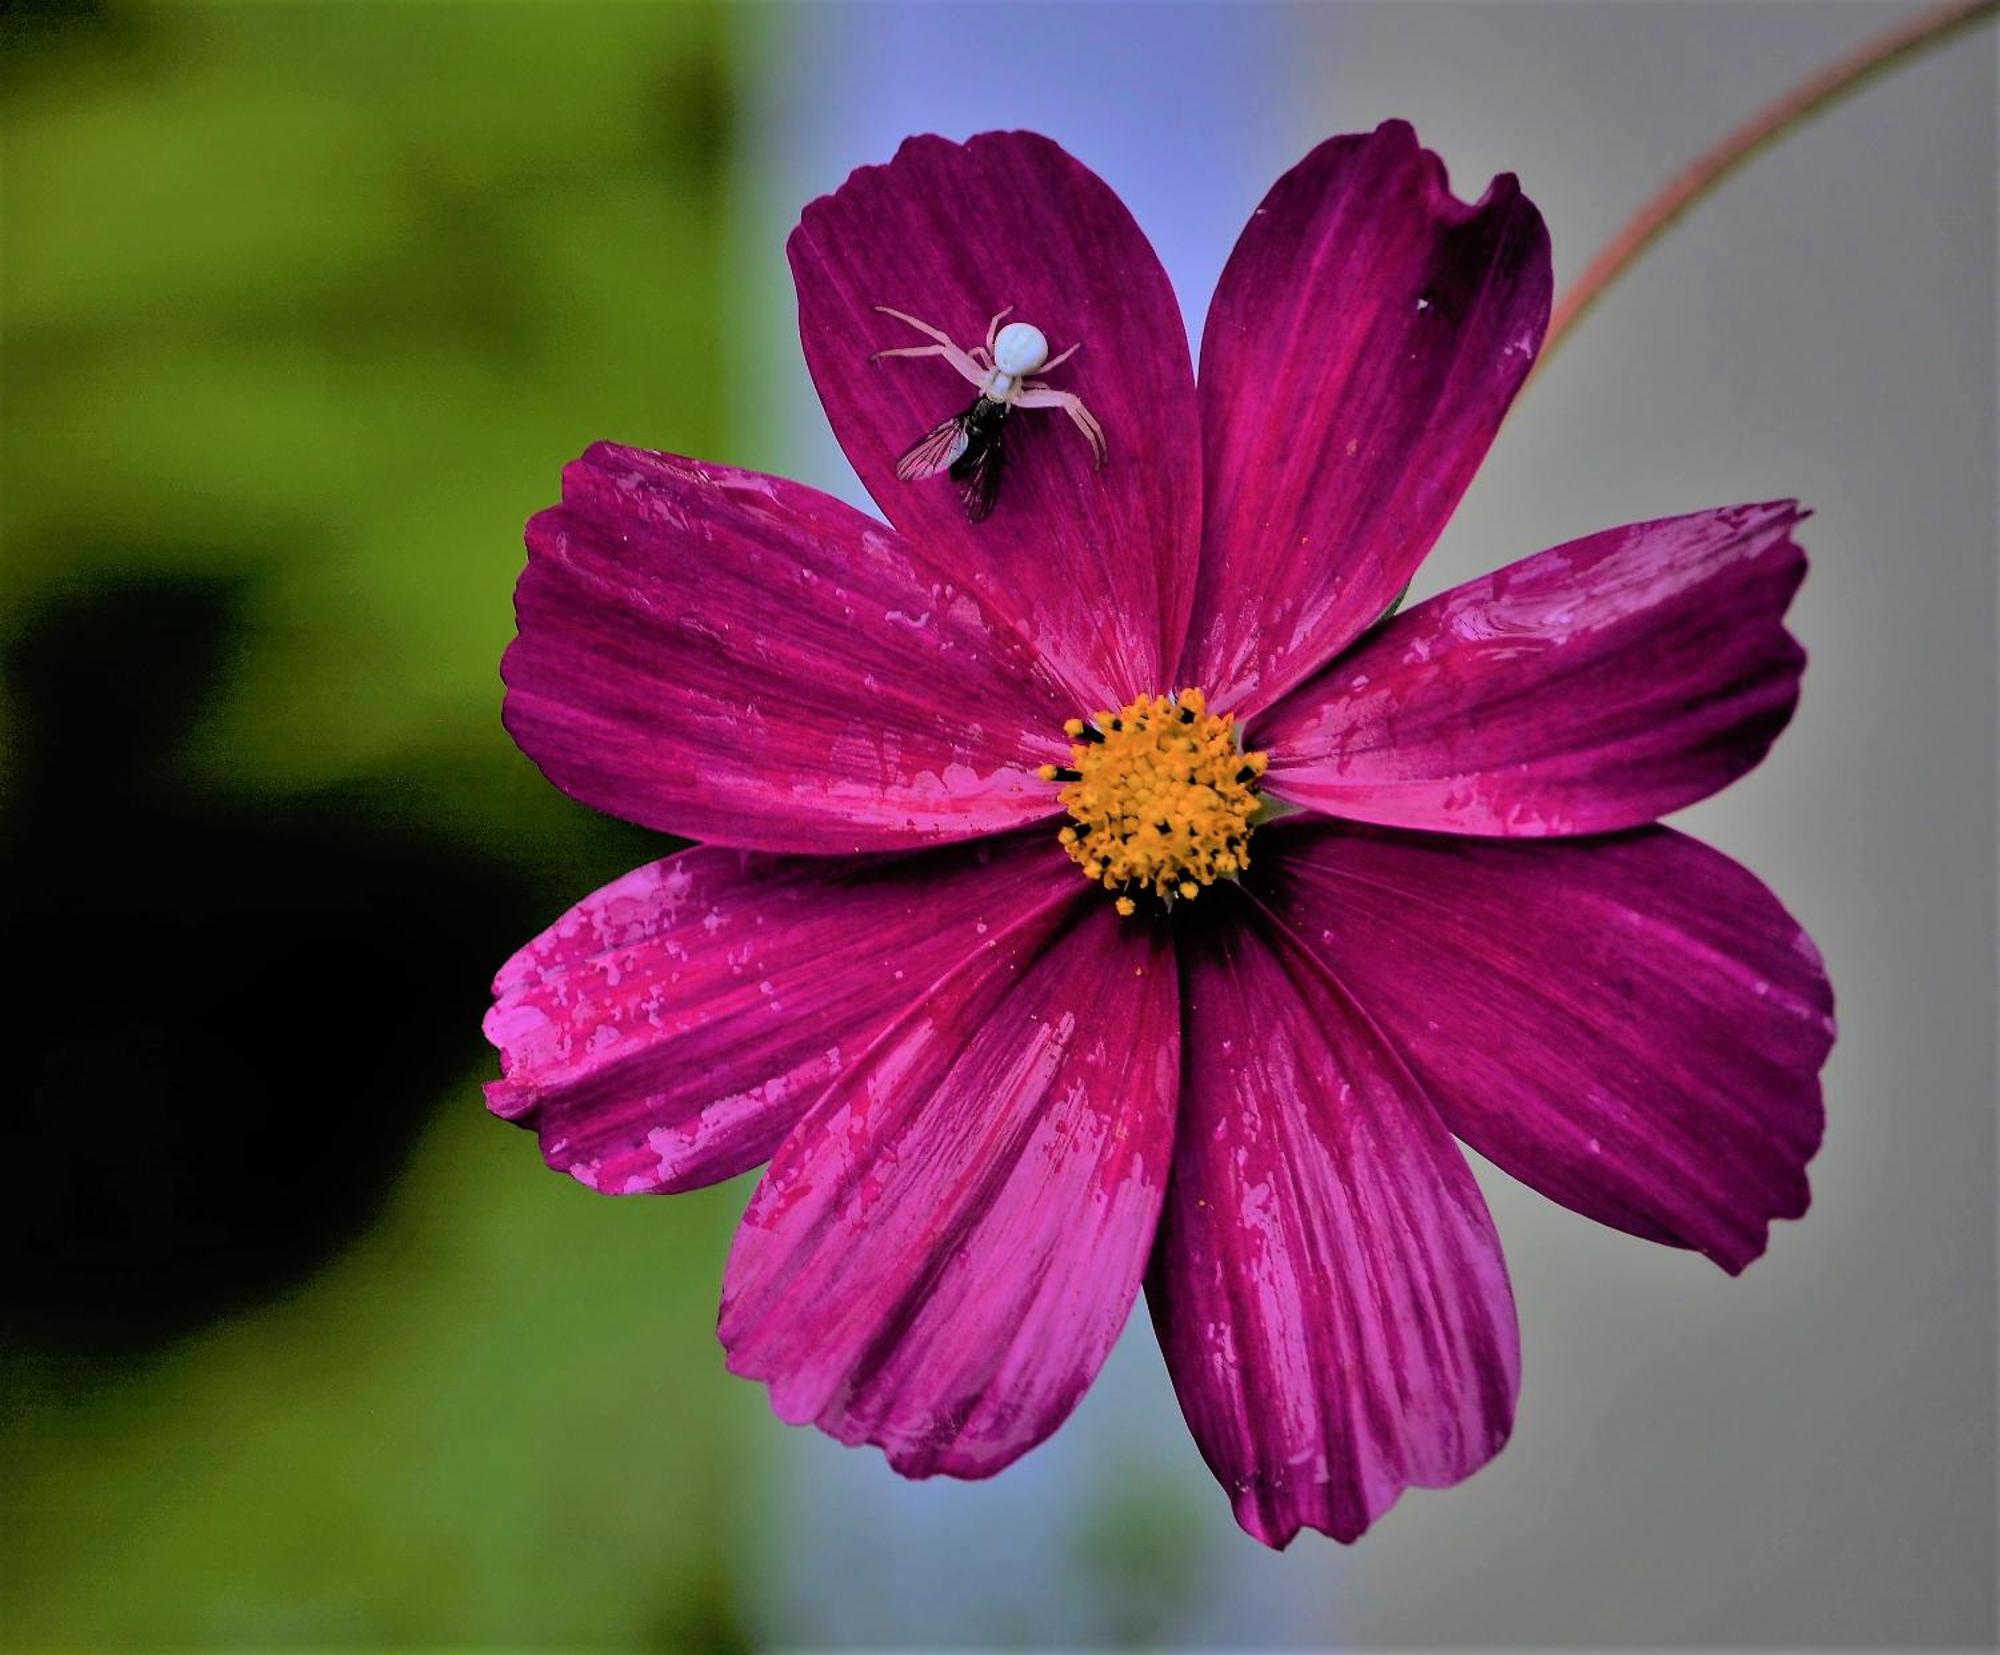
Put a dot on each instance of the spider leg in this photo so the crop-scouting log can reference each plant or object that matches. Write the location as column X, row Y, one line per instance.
column 1057, row 361
column 968, row 369
column 993, row 328
column 983, row 356
column 1032, row 394
column 924, row 328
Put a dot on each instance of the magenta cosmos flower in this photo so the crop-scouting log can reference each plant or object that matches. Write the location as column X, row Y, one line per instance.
column 1306, row 897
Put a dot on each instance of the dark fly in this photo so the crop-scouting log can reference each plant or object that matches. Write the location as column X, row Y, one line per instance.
column 968, row 449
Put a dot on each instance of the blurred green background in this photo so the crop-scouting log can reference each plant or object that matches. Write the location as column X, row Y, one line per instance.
column 304, row 306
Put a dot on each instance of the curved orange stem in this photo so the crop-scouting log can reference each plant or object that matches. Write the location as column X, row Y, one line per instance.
column 1871, row 58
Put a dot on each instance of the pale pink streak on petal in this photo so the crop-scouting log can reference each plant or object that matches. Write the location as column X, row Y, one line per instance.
column 1096, row 566
column 740, row 659
column 1327, row 1287
column 668, row 1031
column 1596, row 686
column 1367, row 336
column 942, row 1254
column 1632, row 1025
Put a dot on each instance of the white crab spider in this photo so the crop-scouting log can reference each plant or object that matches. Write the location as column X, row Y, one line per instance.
column 967, row 446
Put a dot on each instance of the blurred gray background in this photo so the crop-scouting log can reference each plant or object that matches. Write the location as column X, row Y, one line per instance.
column 1803, row 1456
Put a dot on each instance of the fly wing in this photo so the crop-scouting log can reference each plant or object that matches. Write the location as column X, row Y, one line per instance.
column 979, row 479
column 938, row 449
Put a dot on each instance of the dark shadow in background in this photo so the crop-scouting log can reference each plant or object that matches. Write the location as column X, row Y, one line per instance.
column 31, row 26
column 226, row 1018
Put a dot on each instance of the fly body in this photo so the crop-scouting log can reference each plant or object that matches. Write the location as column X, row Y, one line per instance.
column 969, row 449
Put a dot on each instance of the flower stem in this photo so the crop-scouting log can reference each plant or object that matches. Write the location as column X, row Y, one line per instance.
column 1873, row 57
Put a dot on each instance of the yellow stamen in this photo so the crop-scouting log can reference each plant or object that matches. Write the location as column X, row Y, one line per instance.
column 1162, row 796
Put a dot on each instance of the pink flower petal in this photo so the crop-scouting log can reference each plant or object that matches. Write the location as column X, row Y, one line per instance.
column 1327, row 1287
column 941, row 1256
column 1631, row 1025
column 1593, row 687
column 1367, row 336
column 1097, row 567
column 743, row 660
column 668, row 1031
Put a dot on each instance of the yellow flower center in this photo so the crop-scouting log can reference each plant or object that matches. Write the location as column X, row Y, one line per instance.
column 1162, row 795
